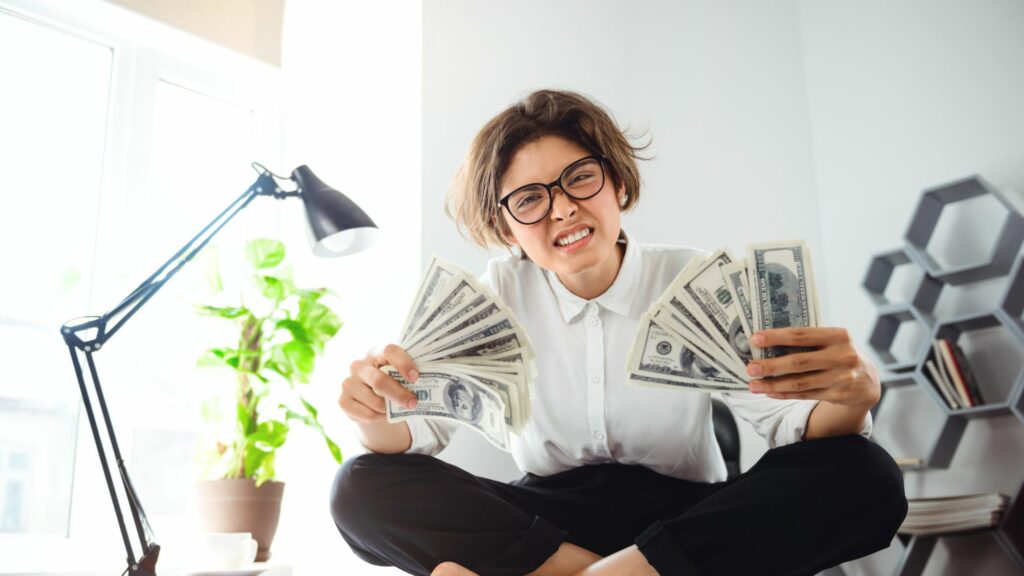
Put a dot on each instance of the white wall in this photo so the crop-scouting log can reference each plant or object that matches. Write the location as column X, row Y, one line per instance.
column 719, row 87
column 904, row 96
column 821, row 120
column 353, row 75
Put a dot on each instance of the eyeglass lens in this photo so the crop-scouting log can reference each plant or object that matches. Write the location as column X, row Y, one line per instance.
column 581, row 181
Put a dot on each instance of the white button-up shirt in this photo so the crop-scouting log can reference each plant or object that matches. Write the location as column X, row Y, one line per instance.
column 584, row 411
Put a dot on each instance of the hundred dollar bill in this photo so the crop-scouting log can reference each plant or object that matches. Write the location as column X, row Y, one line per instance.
column 657, row 352
column 492, row 346
column 735, row 276
column 460, row 398
column 712, row 304
column 498, row 325
column 782, row 290
column 456, row 300
column 470, row 324
column 509, row 386
column 668, row 320
column 438, row 273
column 649, row 381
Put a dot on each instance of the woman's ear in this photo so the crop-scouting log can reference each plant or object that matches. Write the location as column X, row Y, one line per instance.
column 621, row 194
column 503, row 231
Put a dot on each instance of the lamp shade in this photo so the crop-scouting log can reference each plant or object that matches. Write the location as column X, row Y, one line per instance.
column 337, row 225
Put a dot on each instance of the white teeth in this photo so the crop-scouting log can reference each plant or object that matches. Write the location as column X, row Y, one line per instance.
column 574, row 237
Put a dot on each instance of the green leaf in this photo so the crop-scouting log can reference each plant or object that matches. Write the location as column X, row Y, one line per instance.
column 312, row 294
column 244, row 416
column 309, row 407
column 266, row 470
column 219, row 357
column 264, row 253
column 269, row 435
column 310, row 419
column 333, row 448
column 253, row 459
column 301, row 357
column 272, row 287
column 223, row 311
column 298, row 331
column 284, row 369
column 321, row 322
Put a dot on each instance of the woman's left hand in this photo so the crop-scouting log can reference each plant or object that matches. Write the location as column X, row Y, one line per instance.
column 835, row 371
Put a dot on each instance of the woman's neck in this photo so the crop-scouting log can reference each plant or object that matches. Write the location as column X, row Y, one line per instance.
column 591, row 283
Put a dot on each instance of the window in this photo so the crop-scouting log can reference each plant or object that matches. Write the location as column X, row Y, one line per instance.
column 53, row 110
column 121, row 138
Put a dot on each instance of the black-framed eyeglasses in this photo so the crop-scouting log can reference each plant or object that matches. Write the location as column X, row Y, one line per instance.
column 580, row 180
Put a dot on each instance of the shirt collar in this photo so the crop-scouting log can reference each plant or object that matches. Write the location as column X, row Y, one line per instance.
column 617, row 298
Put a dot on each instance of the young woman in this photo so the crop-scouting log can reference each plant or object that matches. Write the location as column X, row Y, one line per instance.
column 619, row 479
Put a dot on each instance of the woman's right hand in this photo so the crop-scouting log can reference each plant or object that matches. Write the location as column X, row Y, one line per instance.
column 364, row 392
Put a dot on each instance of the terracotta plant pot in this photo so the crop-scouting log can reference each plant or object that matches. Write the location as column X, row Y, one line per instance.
column 237, row 505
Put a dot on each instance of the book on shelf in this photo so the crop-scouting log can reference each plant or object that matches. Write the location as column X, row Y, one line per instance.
column 948, row 514
column 955, row 375
column 941, row 384
column 966, row 373
column 949, row 371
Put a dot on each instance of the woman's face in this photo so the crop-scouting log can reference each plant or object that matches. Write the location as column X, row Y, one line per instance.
column 592, row 261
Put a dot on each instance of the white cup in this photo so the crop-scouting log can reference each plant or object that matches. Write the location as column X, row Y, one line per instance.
column 222, row 550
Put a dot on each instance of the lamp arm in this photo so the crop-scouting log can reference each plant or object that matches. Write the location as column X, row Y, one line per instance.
column 150, row 286
column 86, row 336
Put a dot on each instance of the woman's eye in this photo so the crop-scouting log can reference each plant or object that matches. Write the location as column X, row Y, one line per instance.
column 579, row 178
column 527, row 200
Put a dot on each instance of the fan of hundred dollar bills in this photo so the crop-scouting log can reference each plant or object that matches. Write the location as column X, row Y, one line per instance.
column 696, row 336
column 475, row 362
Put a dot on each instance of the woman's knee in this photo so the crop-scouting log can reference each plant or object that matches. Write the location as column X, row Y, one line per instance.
column 874, row 483
column 353, row 491
column 370, row 486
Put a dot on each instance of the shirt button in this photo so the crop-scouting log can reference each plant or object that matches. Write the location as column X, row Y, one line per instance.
column 595, row 379
column 594, row 321
column 598, row 435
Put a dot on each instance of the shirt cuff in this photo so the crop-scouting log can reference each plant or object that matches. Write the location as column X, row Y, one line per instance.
column 794, row 424
column 429, row 436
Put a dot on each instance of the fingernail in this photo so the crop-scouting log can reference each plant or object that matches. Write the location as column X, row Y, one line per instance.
column 757, row 340
column 413, row 375
column 757, row 388
column 411, row 404
column 754, row 369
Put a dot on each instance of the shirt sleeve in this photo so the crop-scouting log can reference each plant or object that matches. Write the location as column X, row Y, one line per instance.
column 429, row 435
column 780, row 422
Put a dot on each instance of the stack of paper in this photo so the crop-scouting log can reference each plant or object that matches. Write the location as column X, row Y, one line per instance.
column 953, row 513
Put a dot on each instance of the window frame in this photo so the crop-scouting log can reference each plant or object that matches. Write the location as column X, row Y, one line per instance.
column 145, row 52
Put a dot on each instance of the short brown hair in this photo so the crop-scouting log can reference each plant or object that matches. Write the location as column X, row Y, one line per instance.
column 472, row 199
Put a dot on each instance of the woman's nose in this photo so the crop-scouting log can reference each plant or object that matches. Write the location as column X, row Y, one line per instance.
column 562, row 205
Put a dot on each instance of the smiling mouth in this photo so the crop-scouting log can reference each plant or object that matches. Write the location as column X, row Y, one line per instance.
column 573, row 238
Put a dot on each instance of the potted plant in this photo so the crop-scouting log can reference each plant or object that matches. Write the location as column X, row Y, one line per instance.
column 282, row 329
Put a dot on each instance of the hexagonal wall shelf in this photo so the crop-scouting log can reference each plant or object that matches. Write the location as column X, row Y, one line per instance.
column 881, row 271
column 945, row 443
column 926, row 218
column 1011, row 305
column 996, row 394
column 891, row 320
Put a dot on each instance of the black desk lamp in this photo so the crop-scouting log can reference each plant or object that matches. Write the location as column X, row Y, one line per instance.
column 337, row 226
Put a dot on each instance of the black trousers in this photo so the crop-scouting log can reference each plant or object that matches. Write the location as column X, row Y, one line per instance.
column 800, row 509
